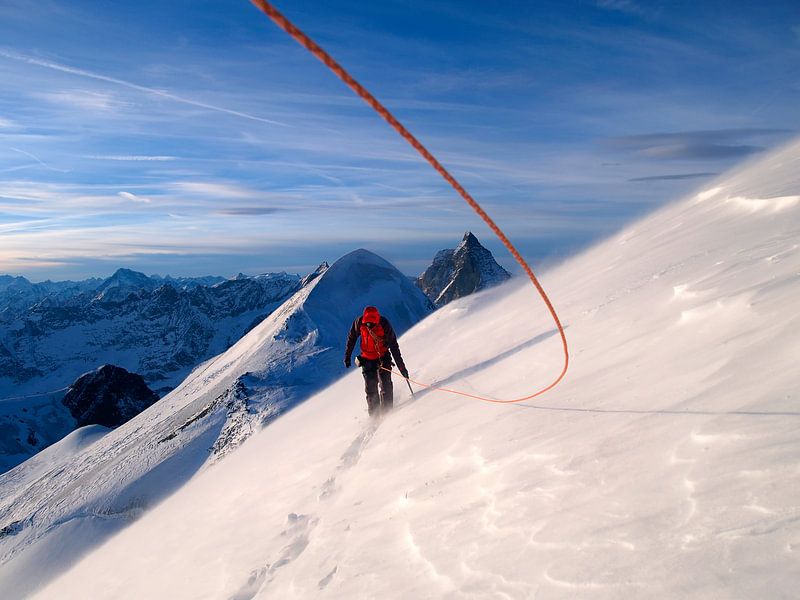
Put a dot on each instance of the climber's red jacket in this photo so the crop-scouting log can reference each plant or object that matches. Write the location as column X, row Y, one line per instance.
column 377, row 337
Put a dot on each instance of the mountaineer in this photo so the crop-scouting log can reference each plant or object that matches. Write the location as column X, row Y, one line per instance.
column 378, row 347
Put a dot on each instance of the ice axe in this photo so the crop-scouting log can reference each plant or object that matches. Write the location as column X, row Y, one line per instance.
column 409, row 386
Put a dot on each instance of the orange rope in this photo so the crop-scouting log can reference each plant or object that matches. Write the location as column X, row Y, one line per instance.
column 359, row 89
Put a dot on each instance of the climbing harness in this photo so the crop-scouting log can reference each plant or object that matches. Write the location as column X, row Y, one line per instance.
column 315, row 49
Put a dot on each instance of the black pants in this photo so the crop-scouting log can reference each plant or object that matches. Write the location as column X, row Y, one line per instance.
column 382, row 401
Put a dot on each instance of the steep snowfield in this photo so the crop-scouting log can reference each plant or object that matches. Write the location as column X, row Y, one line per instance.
column 52, row 333
column 53, row 511
column 664, row 466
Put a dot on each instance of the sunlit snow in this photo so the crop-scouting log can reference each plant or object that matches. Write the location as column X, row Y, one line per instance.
column 664, row 466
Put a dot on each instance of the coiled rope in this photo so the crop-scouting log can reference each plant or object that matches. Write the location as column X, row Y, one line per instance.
column 315, row 49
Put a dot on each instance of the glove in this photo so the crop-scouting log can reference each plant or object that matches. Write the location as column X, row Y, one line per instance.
column 347, row 363
column 404, row 373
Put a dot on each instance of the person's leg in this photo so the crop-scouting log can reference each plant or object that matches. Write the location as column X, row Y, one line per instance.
column 371, row 387
column 387, row 389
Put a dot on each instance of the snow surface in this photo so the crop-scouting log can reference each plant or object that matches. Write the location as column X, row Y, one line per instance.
column 664, row 466
column 79, row 501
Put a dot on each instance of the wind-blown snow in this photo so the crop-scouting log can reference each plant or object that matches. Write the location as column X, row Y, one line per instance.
column 294, row 352
column 664, row 466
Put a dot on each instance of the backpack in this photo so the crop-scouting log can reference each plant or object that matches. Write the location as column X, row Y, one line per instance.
column 373, row 345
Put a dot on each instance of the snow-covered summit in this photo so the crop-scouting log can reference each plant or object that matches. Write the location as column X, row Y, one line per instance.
column 362, row 278
column 663, row 466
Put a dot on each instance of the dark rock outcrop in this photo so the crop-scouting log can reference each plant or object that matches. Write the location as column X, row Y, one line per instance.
column 108, row 396
column 459, row 272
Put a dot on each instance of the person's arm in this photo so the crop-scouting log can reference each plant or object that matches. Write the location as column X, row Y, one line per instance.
column 391, row 342
column 352, row 336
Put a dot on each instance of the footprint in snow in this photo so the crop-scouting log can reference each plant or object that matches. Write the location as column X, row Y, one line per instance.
column 323, row 583
column 251, row 587
column 298, row 530
column 349, row 459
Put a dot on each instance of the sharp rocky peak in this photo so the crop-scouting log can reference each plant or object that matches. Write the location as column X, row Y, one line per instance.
column 324, row 266
column 470, row 241
column 458, row 272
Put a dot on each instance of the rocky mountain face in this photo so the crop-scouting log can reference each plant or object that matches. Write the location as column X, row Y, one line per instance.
column 108, row 396
column 18, row 294
column 458, row 272
column 157, row 327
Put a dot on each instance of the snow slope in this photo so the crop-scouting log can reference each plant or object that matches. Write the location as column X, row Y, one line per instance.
column 664, row 466
column 50, row 516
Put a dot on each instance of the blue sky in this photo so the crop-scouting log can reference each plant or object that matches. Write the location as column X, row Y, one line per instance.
column 195, row 138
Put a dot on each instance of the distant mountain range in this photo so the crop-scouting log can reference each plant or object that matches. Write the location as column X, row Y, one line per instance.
column 161, row 328
column 157, row 327
column 17, row 293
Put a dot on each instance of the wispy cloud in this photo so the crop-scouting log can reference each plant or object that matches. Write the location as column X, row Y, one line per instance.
column 83, row 99
column 625, row 6
column 19, row 168
column 512, row 105
column 215, row 190
column 696, row 145
column 141, row 88
column 239, row 211
column 39, row 161
column 133, row 197
column 675, row 177
column 700, row 151
column 132, row 158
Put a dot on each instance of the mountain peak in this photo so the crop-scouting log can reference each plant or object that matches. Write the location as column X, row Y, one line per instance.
column 12, row 282
column 469, row 240
column 360, row 255
column 457, row 273
column 125, row 272
column 324, row 266
column 125, row 276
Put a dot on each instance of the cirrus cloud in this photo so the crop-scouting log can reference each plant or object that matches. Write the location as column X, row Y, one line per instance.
column 133, row 197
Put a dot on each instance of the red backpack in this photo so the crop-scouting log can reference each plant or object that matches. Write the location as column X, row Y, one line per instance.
column 372, row 343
